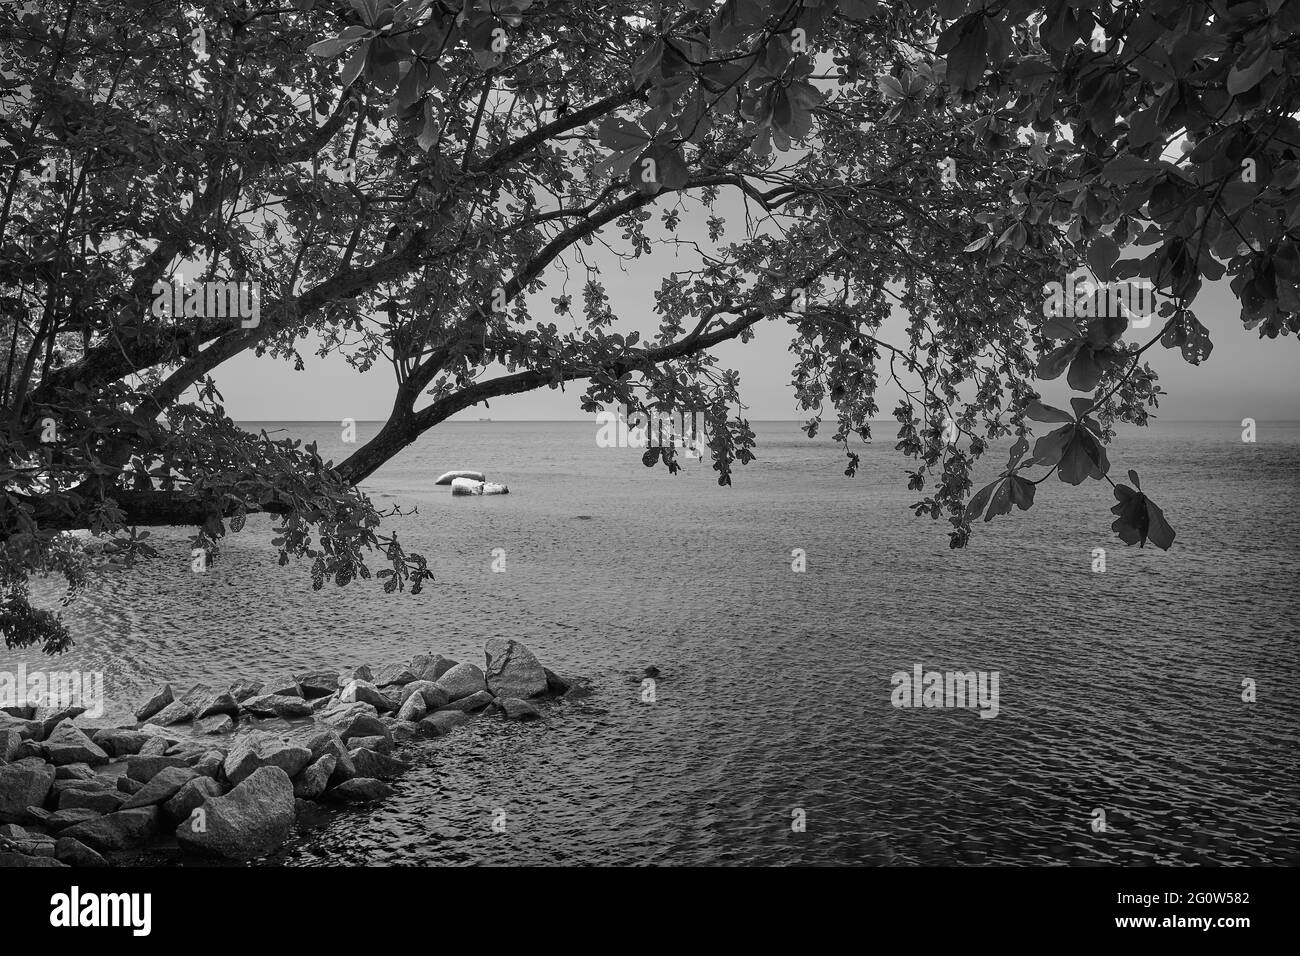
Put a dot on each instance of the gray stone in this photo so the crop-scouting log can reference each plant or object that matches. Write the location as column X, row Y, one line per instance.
column 23, row 713
column 118, row 831
column 67, row 744
column 156, row 702
column 73, row 852
column 165, row 785
column 209, row 765
column 391, row 674
column 364, row 692
column 250, row 821
column 372, row 764
column 145, row 768
column 382, row 745
column 101, row 801
column 21, row 786
column 443, row 722
column 357, row 673
column 284, row 686
column 8, row 860
column 177, row 712
column 433, row 695
column 361, row 790
column 118, row 742
column 51, row 717
column 555, row 684
column 512, row 670
column 317, row 683
column 128, row 786
column 62, row 819
column 207, row 701
column 216, row 724
column 155, row 747
column 461, row 681
column 278, row 705
column 475, row 701
column 413, row 708
column 9, row 743
column 191, row 796
column 430, row 666
column 243, row 689
column 404, row 730
column 355, row 720
column 25, row 728
column 516, row 709
column 259, row 749
column 311, row 783
column 74, row 771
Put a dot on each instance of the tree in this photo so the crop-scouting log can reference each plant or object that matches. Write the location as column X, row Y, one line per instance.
column 395, row 180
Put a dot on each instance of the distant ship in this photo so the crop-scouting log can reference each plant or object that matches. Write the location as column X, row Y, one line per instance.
column 485, row 419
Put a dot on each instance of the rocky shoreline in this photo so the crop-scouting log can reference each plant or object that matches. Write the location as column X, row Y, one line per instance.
column 226, row 773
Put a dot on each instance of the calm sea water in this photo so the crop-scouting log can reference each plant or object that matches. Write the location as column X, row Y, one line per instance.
column 1118, row 691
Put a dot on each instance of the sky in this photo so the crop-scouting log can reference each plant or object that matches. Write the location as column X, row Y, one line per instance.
column 1243, row 377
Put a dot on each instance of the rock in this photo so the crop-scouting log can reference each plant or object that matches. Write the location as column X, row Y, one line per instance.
column 209, row 765
column 32, row 843
column 191, row 796
column 101, row 801
column 430, row 667
column 516, row 709
column 177, row 712
column 156, row 702
column 443, row 722
column 67, row 744
column 258, row 749
column 30, row 749
column 145, row 768
column 555, row 684
column 51, row 717
column 165, row 785
column 448, row 477
column 414, row 708
column 12, row 831
column 155, row 747
column 381, row 745
column 23, row 713
column 118, row 742
column 434, row 696
column 317, row 683
column 391, row 675
column 25, row 728
column 73, row 852
column 278, row 705
column 118, row 831
column 404, row 730
column 128, row 786
column 512, row 670
column 206, row 701
column 283, row 686
column 311, row 783
column 244, row 689
column 358, row 720
column 93, row 782
column 9, row 743
column 216, row 724
column 250, row 821
column 38, row 815
column 74, row 771
column 23, row 860
column 23, row 786
column 369, row 763
column 473, row 702
column 577, row 691
column 461, row 681
column 463, row 487
column 361, row 790
column 364, row 692
column 357, row 673
column 62, row 819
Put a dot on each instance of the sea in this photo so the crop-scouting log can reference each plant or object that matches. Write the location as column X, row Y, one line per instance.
column 1147, row 713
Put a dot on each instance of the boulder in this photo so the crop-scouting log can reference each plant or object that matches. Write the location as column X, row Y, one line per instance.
column 51, row 717
column 206, row 701
column 430, row 667
column 443, row 722
column 244, row 689
column 128, row 786
column 512, row 670
column 391, row 674
column 364, row 692
column 95, row 782
column 155, row 747
column 250, row 821
column 356, row 673
column 448, row 477
column 118, row 831
column 25, row 728
column 67, row 744
column 191, row 796
column 73, row 852
column 555, row 684
column 258, row 749
column 145, row 768
column 317, row 683
column 62, row 819
column 119, row 742
column 23, row 785
column 285, row 685
column 209, row 765
column 177, row 712
column 361, row 790
column 461, row 681
column 216, row 724
column 404, row 730
column 516, row 709
column 475, row 701
column 24, row 712
column 101, row 801
column 357, row 720
column 413, row 708
column 434, row 696
column 370, row 763
column 278, row 705
column 74, row 771
column 8, row 860
column 311, row 783
column 155, row 703
column 165, row 785
column 9, row 743
column 464, row 487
